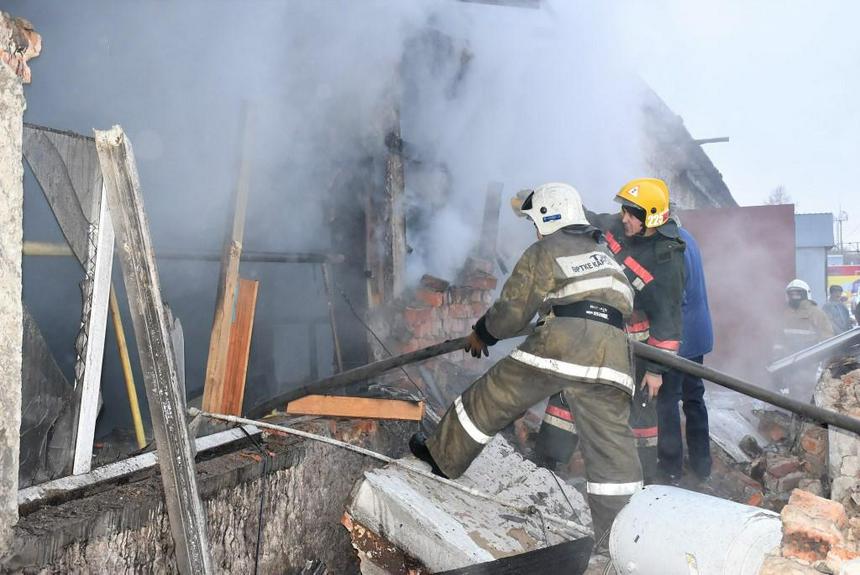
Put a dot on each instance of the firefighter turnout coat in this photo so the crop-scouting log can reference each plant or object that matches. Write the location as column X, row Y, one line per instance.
column 582, row 298
column 655, row 267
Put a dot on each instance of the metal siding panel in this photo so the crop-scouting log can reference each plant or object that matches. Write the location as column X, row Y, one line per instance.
column 748, row 255
column 814, row 230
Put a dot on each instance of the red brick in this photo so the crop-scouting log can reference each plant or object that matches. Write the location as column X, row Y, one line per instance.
column 814, row 440
column 418, row 315
column 460, row 310
column 433, row 283
column 811, row 526
column 423, row 330
column 431, row 298
column 782, row 466
column 480, row 281
column 459, row 294
column 755, row 499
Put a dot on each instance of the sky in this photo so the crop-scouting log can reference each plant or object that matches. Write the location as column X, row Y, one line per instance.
column 780, row 79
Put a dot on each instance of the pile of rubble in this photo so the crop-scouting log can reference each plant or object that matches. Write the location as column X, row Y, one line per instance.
column 817, row 537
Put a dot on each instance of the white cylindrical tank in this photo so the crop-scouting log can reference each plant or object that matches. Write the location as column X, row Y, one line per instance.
column 671, row 531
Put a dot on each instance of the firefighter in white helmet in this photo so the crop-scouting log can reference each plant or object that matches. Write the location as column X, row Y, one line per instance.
column 582, row 297
column 803, row 322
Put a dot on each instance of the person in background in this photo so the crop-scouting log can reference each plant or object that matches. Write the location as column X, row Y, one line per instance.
column 696, row 341
column 836, row 310
column 803, row 325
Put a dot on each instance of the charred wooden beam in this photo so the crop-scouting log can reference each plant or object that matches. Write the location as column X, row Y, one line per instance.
column 158, row 364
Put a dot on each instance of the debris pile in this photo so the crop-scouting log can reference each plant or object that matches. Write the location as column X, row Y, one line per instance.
column 402, row 522
column 817, row 537
column 837, row 390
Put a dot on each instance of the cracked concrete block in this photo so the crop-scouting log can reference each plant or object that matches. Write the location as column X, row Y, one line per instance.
column 850, row 466
column 11, row 315
column 444, row 528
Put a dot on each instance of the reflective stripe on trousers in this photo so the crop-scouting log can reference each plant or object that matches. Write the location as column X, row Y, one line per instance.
column 476, row 434
column 613, row 488
column 588, row 372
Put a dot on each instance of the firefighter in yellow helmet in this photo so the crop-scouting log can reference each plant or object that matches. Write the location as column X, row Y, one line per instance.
column 647, row 245
column 582, row 298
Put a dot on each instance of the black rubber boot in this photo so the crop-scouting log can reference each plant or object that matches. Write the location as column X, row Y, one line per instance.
column 418, row 447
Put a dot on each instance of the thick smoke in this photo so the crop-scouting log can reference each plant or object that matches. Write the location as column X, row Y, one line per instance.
column 485, row 93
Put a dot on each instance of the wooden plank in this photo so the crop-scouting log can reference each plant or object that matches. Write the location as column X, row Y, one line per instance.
column 219, row 341
column 335, row 406
column 59, row 487
column 92, row 339
column 157, row 361
column 240, row 348
column 395, row 185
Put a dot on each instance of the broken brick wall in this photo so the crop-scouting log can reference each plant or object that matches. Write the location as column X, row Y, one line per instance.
column 837, row 390
column 435, row 311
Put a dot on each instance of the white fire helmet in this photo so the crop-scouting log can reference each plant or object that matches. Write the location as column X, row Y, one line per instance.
column 553, row 206
column 799, row 285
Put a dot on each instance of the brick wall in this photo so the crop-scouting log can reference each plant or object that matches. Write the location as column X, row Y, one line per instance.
column 434, row 311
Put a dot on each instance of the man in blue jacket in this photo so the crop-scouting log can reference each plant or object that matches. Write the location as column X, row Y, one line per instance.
column 696, row 341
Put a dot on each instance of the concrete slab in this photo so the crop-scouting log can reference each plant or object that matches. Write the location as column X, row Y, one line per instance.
column 445, row 529
column 728, row 427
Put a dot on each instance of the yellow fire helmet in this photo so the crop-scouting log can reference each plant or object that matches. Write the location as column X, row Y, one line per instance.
column 649, row 194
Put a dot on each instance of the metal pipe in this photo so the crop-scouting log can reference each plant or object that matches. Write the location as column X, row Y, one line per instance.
column 130, row 388
column 52, row 249
column 640, row 349
column 360, row 374
column 819, row 351
column 692, row 368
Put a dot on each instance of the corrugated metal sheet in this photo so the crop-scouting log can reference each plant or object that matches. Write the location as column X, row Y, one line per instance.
column 814, row 230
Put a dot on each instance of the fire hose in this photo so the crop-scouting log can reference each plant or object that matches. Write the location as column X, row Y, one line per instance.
column 640, row 349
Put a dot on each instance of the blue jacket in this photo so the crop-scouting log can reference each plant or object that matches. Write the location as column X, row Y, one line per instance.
column 698, row 333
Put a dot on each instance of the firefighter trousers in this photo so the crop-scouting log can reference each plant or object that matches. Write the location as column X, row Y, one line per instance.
column 507, row 390
column 643, row 422
column 689, row 390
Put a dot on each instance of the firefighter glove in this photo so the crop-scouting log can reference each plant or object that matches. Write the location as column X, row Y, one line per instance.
column 475, row 346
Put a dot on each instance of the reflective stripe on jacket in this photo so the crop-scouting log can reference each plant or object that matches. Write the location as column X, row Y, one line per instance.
column 568, row 266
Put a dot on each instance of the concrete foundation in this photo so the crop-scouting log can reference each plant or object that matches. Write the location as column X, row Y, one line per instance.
column 124, row 528
column 11, row 231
